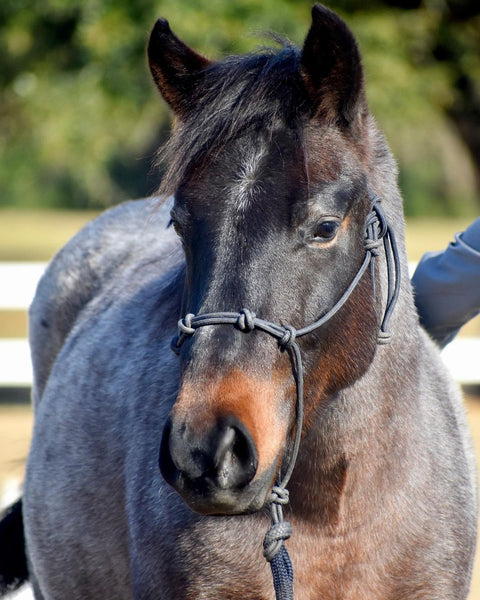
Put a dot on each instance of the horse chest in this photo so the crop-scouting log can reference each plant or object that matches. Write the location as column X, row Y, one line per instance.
column 233, row 567
column 333, row 568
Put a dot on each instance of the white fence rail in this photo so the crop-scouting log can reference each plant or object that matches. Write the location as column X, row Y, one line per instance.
column 17, row 287
column 18, row 281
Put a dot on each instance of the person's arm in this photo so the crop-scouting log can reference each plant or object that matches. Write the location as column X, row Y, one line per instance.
column 447, row 286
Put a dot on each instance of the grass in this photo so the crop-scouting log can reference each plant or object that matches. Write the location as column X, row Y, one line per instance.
column 30, row 235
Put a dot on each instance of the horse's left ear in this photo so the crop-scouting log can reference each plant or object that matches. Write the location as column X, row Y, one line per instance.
column 173, row 65
column 332, row 69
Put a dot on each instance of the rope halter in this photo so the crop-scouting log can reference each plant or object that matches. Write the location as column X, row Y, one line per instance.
column 378, row 232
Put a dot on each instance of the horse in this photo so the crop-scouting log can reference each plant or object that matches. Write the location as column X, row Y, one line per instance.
column 274, row 273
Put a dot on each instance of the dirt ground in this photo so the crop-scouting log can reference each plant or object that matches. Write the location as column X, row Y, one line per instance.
column 15, row 429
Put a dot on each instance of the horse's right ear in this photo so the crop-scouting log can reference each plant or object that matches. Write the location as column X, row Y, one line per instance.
column 173, row 64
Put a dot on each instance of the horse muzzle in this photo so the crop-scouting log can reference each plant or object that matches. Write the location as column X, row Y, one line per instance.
column 215, row 471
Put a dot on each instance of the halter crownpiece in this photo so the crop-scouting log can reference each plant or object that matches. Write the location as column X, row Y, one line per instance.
column 378, row 231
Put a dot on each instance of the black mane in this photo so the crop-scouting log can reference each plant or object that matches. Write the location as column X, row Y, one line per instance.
column 263, row 90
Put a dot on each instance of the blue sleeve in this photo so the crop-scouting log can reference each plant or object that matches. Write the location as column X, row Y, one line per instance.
column 447, row 286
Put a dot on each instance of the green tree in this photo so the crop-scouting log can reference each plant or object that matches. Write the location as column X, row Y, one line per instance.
column 80, row 120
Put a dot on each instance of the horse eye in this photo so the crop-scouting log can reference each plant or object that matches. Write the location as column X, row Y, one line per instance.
column 325, row 231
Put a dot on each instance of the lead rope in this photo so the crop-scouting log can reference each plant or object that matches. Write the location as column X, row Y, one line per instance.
column 274, row 549
column 377, row 229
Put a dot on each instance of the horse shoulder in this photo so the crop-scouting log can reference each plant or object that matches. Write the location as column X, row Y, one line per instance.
column 77, row 273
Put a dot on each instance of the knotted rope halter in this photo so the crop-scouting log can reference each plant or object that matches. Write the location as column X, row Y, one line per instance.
column 377, row 230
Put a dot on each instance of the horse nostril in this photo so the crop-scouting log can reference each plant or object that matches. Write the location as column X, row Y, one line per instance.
column 235, row 460
column 225, row 457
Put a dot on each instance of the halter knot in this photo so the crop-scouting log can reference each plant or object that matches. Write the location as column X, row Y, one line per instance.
column 384, row 337
column 372, row 246
column 274, row 538
column 288, row 337
column 246, row 320
column 279, row 495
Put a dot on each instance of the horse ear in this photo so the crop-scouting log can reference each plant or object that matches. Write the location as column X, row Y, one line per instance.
column 173, row 65
column 332, row 68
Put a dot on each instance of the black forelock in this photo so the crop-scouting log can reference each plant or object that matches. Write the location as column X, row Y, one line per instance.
column 257, row 92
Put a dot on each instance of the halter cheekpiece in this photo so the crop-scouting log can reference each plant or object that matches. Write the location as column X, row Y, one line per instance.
column 377, row 232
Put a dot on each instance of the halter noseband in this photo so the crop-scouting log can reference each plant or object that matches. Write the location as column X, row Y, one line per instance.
column 377, row 230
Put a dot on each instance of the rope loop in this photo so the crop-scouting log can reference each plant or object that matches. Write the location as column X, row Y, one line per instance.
column 381, row 218
column 185, row 325
column 371, row 219
column 185, row 329
column 288, row 338
column 246, row 320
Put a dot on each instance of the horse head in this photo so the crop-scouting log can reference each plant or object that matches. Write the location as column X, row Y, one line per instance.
column 271, row 161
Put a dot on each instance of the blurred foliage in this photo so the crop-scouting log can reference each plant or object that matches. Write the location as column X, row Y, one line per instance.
column 80, row 119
